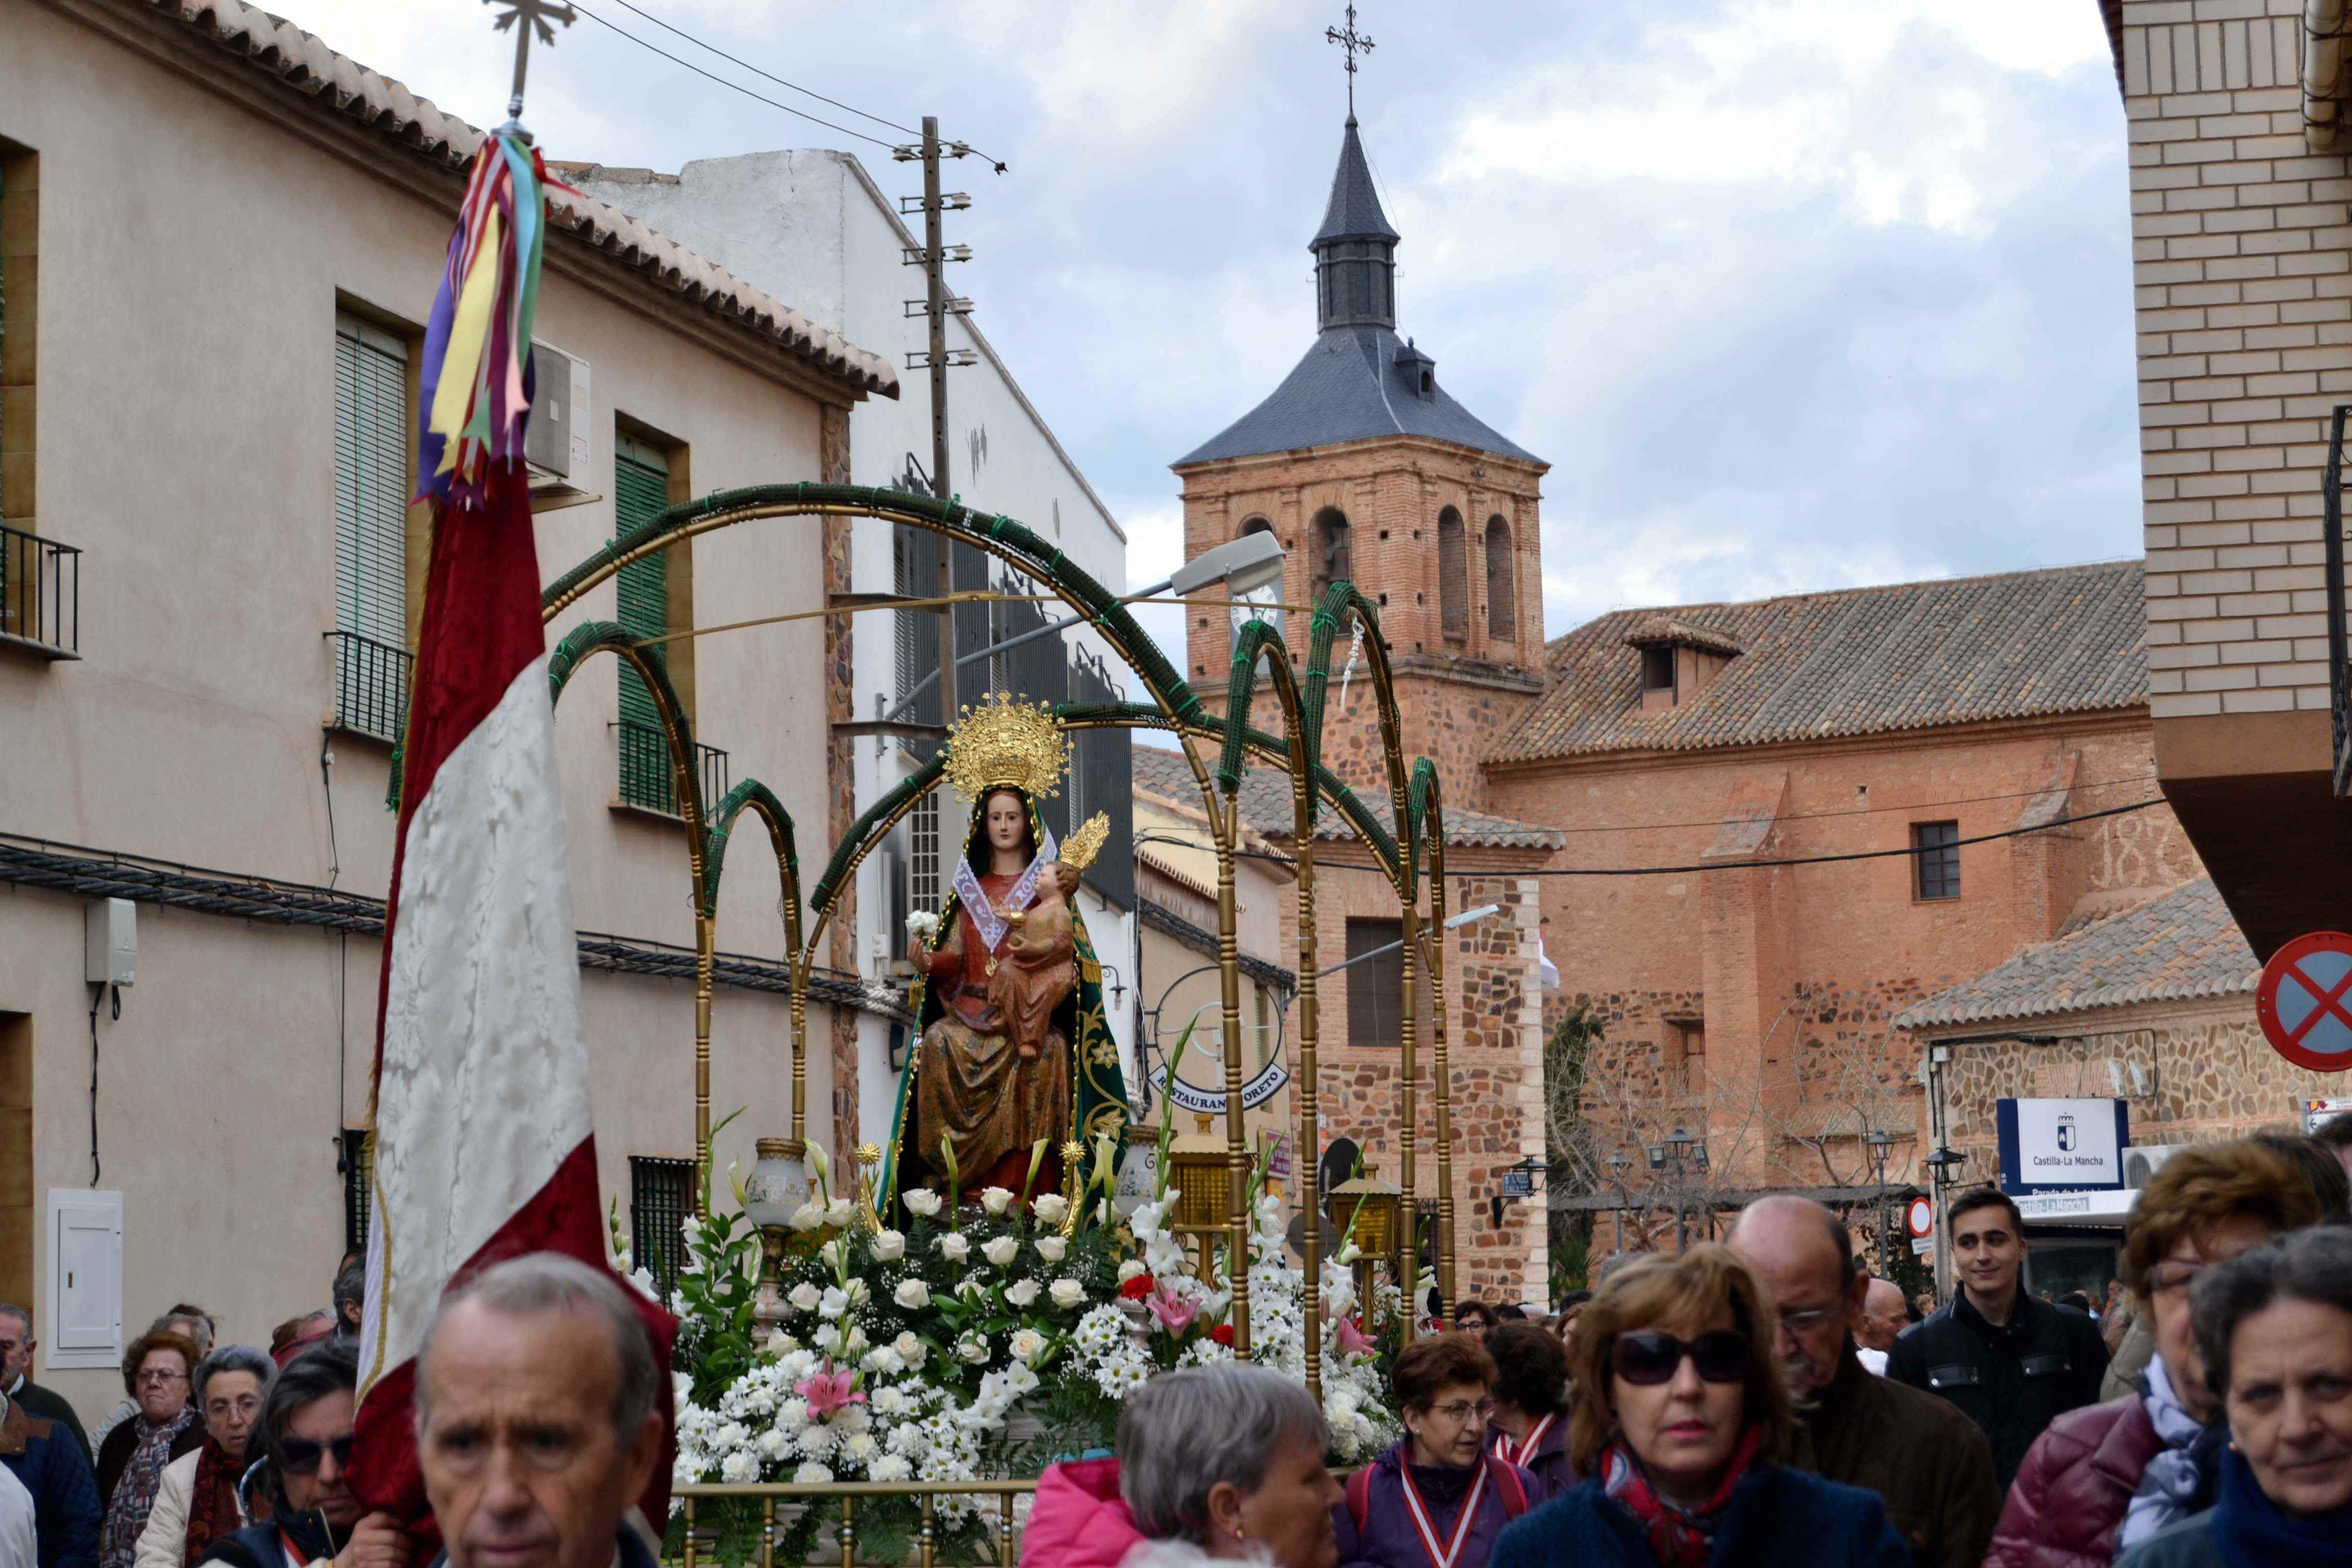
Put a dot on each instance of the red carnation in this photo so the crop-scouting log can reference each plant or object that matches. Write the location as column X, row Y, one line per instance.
column 1222, row 1333
column 1137, row 1288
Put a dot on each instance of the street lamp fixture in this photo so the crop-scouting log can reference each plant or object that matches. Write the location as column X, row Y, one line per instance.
column 1878, row 1143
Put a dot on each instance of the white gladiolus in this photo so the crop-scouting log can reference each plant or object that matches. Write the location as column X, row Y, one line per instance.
column 1066, row 1293
column 1001, row 1250
column 920, row 1201
column 834, row 1302
column 805, row 1297
column 830, row 1254
column 888, row 1247
column 1051, row 1208
column 1022, row 1292
column 913, row 1295
column 1051, row 1248
column 954, row 1247
column 996, row 1200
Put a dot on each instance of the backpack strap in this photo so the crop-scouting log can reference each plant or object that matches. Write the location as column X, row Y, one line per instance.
column 1505, row 1477
column 1359, row 1497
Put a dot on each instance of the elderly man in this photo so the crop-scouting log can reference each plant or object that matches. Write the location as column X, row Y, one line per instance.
column 1885, row 1315
column 305, row 1435
column 1929, row 1461
column 17, row 1347
column 537, row 1417
column 45, row 1462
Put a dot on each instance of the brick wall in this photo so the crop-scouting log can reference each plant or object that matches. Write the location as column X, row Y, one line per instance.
column 2242, row 260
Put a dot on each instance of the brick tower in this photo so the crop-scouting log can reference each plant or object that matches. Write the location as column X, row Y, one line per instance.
column 1366, row 467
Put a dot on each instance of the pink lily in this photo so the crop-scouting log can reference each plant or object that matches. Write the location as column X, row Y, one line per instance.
column 1352, row 1340
column 1175, row 1312
column 829, row 1393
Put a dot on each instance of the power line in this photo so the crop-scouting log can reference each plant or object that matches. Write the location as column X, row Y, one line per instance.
column 766, row 75
column 1322, row 864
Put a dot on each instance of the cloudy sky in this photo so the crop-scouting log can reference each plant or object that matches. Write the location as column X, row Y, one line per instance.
column 1792, row 293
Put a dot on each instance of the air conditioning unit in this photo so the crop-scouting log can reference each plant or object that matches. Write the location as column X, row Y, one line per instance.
column 2142, row 1163
column 559, row 447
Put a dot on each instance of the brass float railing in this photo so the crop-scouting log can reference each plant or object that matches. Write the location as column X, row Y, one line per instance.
column 776, row 1496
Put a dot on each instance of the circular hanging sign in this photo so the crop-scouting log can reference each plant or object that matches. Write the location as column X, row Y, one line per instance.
column 1919, row 1217
column 2305, row 1001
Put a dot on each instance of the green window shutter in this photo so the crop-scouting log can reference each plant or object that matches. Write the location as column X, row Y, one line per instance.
column 370, row 483
column 640, row 494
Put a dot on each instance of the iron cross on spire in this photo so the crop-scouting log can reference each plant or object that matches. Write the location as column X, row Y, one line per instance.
column 534, row 16
column 1352, row 41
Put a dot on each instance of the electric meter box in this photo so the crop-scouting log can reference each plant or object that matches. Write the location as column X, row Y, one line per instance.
column 110, row 941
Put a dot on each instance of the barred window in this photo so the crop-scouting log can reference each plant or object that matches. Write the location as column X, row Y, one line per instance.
column 359, row 1185
column 1936, row 846
column 923, row 854
column 661, row 1194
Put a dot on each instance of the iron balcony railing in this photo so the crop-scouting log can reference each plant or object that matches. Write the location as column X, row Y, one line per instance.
column 40, row 594
column 2339, row 664
column 646, row 778
column 371, row 686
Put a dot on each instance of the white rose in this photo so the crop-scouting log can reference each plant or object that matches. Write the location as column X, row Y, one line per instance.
column 805, row 1297
column 1028, row 1344
column 1051, row 1248
column 972, row 1348
column 812, row 1475
column 1067, row 1293
column 840, row 1211
column 1131, row 1268
column 1001, row 1251
column 910, row 1349
column 1022, row 1292
column 913, row 1294
column 954, row 1247
column 888, row 1247
column 1052, row 1208
column 920, row 1201
column 996, row 1200
column 808, row 1217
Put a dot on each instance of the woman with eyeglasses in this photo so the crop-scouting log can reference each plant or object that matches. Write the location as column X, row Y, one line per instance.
column 305, row 1435
column 1438, row 1498
column 131, row 1460
column 1680, row 1428
column 198, row 1500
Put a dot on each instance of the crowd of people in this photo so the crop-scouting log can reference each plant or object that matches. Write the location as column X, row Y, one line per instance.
column 1767, row 1401
column 538, row 1429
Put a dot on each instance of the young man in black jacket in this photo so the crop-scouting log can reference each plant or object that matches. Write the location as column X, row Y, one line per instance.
column 2010, row 1362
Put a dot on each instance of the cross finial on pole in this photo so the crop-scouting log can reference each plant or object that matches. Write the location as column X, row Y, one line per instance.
column 534, row 16
column 1354, row 42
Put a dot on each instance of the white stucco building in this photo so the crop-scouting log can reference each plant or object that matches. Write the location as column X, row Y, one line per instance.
column 814, row 228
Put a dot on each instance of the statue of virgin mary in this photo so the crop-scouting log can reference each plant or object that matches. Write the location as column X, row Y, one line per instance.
column 1015, row 1047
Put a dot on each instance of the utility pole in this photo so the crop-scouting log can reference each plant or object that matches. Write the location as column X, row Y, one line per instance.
column 936, row 305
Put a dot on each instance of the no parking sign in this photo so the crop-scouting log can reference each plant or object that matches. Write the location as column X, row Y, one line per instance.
column 2305, row 1001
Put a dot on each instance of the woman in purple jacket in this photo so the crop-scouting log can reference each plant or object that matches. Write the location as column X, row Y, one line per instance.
column 1437, row 1499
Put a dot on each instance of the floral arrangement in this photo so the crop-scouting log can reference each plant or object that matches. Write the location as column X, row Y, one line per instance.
column 983, row 1342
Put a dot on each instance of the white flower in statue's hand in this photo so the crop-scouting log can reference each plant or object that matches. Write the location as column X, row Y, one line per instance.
column 808, row 1217
column 1129, row 1267
column 1052, row 1208
column 1022, row 1292
column 1028, row 1344
column 805, row 1297
column 1067, row 1293
column 812, row 1475
column 955, row 1247
column 923, row 924
column 1001, row 1250
column 1051, row 1248
column 920, row 1201
column 996, row 1200
column 913, row 1295
column 888, row 1247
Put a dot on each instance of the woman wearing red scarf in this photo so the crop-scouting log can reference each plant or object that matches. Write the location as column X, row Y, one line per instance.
column 200, row 1499
column 1438, row 1499
column 1680, row 1427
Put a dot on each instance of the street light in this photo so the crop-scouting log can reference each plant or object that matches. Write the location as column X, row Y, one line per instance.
column 1879, row 1142
column 1618, row 1165
column 1943, row 1166
column 1679, row 1147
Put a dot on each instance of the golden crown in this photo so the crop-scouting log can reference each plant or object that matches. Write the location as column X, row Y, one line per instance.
column 1003, row 743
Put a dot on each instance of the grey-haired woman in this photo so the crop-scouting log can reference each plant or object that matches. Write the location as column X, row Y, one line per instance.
column 199, row 1500
column 1214, row 1463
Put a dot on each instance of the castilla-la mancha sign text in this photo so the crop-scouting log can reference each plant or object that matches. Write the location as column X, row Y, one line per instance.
column 2049, row 1144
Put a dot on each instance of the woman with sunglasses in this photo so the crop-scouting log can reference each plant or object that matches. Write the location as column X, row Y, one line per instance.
column 1680, row 1428
column 1437, row 1499
column 305, row 1438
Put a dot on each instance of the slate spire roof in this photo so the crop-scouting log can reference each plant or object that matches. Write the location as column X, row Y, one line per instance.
column 1360, row 381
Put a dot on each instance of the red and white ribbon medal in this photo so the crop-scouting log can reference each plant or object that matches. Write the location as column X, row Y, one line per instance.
column 1427, row 1532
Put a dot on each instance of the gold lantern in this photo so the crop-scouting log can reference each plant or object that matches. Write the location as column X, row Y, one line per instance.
column 1199, row 1169
column 1371, row 1206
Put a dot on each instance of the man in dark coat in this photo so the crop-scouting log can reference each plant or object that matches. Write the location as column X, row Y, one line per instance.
column 1928, row 1463
column 16, row 1348
column 65, row 1515
column 2010, row 1362
column 304, row 1434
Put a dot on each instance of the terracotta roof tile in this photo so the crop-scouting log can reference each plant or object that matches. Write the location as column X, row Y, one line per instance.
column 1266, row 806
column 1859, row 661
column 303, row 64
column 2178, row 947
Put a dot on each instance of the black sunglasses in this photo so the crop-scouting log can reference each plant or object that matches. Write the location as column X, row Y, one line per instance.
column 301, row 1455
column 1648, row 1357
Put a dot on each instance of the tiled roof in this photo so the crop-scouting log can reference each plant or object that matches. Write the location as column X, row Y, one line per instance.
column 1657, row 631
column 2176, row 948
column 301, row 63
column 1266, row 806
column 1354, row 211
column 1856, row 662
column 1351, row 387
